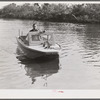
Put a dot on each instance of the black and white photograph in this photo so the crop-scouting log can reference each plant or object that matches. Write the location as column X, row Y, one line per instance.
column 49, row 45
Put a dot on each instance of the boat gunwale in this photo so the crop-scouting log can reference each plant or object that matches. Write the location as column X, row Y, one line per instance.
column 19, row 40
column 22, row 43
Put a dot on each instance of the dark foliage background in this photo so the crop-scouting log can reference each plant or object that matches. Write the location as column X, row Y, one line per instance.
column 85, row 13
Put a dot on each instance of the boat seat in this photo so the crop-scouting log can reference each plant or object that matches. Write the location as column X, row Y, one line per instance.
column 35, row 43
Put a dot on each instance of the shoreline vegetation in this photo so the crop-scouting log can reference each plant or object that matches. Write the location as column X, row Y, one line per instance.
column 72, row 13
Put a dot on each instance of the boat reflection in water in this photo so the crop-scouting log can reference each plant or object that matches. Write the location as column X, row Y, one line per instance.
column 40, row 67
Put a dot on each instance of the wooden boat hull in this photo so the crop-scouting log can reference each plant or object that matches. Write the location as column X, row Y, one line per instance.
column 32, row 53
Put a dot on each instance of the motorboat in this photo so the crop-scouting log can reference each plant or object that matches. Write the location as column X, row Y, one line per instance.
column 36, row 44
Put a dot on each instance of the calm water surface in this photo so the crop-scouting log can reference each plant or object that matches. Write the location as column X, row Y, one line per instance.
column 78, row 66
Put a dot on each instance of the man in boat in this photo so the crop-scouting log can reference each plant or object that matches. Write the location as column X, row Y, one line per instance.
column 34, row 28
column 45, row 40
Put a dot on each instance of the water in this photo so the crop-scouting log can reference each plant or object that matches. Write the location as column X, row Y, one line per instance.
column 78, row 66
